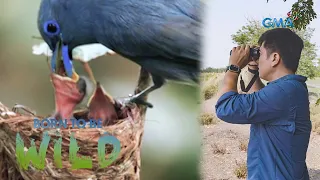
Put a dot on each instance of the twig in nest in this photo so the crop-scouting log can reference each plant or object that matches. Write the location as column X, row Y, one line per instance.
column 16, row 108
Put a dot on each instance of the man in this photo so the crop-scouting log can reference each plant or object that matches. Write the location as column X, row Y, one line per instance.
column 278, row 113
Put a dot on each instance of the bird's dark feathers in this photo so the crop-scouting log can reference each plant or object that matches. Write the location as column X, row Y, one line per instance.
column 167, row 32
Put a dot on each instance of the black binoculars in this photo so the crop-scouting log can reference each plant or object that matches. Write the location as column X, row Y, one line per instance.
column 254, row 53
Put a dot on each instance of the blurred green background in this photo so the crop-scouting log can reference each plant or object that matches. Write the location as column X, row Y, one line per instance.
column 171, row 143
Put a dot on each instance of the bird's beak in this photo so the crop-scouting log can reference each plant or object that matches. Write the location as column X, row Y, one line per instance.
column 68, row 94
column 62, row 51
column 102, row 106
column 69, row 88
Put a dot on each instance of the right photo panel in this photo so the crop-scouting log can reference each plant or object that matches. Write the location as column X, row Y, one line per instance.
column 260, row 90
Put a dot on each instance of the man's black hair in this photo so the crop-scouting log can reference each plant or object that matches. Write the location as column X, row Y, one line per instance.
column 285, row 42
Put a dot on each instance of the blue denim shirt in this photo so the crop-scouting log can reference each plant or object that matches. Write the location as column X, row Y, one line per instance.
column 280, row 127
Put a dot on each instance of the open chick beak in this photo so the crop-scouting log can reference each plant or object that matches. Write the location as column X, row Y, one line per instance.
column 68, row 94
column 69, row 88
column 102, row 106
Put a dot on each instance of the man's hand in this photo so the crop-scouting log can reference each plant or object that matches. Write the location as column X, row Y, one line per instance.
column 240, row 56
column 253, row 65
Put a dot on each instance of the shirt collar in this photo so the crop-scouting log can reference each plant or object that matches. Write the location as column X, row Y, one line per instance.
column 290, row 77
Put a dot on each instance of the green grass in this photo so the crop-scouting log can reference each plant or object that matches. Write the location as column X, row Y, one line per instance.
column 209, row 85
column 207, row 119
column 241, row 170
column 315, row 118
column 315, row 90
column 209, row 91
column 243, row 145
column 219, row 149
column 206, row 76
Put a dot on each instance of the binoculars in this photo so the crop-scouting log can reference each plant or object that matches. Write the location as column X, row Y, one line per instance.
column 254, row 53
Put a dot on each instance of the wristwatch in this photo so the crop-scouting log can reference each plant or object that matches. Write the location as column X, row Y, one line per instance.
column 233, row 68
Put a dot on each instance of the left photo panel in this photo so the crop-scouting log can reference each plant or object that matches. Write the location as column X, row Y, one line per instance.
column 100, row 89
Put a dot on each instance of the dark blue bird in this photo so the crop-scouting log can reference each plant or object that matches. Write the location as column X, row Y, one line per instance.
column 162, row 36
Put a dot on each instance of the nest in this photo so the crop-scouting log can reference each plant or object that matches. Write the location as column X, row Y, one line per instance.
column 128, row 130
column 127, row 166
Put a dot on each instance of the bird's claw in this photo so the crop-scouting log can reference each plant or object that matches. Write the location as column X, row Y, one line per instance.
column 135, row 99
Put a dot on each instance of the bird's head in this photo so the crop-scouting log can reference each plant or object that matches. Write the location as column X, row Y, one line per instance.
column 63, row 28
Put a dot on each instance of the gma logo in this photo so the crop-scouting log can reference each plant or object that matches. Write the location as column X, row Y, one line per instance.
column 272, row 23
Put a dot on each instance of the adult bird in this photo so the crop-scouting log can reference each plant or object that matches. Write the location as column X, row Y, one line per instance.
column 162, row 36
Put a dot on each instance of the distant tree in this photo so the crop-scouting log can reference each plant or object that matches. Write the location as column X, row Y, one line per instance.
column 250, row 33
column 213, row 70
column 303, row 12
column 318, row 67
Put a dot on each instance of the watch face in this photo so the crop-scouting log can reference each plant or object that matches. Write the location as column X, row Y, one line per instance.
column 234, row 68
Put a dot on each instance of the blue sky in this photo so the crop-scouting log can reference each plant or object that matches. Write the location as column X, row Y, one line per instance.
column 225, row 17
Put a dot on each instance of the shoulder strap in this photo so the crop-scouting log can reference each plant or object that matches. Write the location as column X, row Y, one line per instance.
column 256, row 75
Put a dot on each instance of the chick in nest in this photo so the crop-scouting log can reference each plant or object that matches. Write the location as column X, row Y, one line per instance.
column 71, row 91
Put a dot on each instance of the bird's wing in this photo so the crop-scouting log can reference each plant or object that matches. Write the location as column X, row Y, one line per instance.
column 178, row 38
column 175, row 37
column 143, row 30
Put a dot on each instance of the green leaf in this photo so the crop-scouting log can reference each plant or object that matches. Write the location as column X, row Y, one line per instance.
column 303, row 9
column 318, row 102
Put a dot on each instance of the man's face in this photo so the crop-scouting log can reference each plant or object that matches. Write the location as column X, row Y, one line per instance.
column 265, row 66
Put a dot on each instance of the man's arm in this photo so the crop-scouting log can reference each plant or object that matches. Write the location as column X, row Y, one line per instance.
column 239, row 57
column 230, row 82
column 261, row 106
column 264, row 106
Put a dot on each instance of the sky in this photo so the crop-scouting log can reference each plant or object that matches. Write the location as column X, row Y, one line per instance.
column 225, row 17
